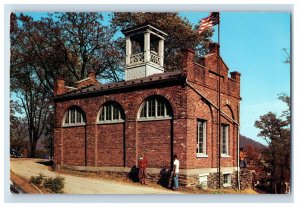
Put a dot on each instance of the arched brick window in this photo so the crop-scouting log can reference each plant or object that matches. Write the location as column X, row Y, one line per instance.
column 74, row 116
column 110, row 112
column 155, row 107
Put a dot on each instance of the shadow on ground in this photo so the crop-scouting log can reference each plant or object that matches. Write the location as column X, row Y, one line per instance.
column 48, row 163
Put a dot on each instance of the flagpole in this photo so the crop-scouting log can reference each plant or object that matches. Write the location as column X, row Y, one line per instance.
column 219, row 102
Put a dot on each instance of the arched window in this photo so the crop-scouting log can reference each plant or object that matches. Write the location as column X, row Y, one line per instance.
column 111, row 112
column 74, row 116
column 155, row 108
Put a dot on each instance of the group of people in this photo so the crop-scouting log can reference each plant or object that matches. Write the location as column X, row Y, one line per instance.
column 143, row 163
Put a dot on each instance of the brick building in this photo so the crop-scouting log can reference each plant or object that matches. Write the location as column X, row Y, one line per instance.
column 104, row 127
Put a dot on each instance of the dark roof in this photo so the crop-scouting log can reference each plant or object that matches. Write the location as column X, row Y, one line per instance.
column 142, row 27
column 150, row 80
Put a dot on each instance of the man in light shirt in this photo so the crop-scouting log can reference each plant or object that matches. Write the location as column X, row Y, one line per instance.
column 175, row 172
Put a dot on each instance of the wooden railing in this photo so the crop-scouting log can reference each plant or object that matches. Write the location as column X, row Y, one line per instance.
column 154, row 57
column 137, row 58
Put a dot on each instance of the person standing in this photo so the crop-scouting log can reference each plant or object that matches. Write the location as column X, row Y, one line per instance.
column 175, row 172
column 243, row 163
column 142, row 163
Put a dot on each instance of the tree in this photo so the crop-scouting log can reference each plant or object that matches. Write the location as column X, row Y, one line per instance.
column 180, row 31
column 287, row 56
column 49, row 136
column 276, row 132
column 68, row 45
column 255, row 163
column 61, row 45
column 35, row 102
column 17, row 129
column 64, row 45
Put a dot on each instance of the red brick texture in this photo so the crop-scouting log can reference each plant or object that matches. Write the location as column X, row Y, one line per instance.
column 110, row 139
column 59, row 87
column 119, row 144
column 110, row 145
column 89, row 81
column 154, row 139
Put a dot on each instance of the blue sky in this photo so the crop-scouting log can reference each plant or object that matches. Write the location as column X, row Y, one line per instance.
column 252, row 43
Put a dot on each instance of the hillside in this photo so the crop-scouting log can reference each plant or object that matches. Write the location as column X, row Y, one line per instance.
column 244, row 141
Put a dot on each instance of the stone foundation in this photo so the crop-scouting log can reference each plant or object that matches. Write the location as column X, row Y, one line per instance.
column 163, row 177
column 246, row 178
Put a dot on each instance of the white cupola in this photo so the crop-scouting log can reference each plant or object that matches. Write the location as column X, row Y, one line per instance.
column 144, row 51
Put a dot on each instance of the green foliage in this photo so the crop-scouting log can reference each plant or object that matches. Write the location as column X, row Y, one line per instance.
column 181, row 33
column 277, row 157
column 287, row 56
column 56, row 185
column 67, row 45
column 37, row 180
column 217, row 192
column 200, row 186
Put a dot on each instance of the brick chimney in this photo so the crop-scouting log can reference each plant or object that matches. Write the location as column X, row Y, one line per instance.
column 90, row 80
column 235, row 76
column 213, row 47
column 59, row 87
column 188, row 58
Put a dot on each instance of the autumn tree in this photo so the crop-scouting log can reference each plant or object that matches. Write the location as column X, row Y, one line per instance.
column 276, row 132
column 181, row 33
column 68, row 45
column 35, row 103
column 65, row 45
column 61, row 45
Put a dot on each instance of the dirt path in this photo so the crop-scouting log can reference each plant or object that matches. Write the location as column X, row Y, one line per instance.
column 26, row 168
column 26, row 187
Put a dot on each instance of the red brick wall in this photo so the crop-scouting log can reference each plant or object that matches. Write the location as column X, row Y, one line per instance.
column 154, row 139
column 74, row 146
column 91, row 133
column 105, row 143
column 110, row 145
column 97, row 135
column 206, row 82
column 200, row 110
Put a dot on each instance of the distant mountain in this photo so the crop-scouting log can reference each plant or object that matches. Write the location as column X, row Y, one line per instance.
column 244, row 141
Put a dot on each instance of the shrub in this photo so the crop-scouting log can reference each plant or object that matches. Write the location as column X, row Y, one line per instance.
column 56, row 184
column 37, row 180
column 201, row 186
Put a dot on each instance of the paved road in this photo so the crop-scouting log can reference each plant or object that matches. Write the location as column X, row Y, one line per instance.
column 82, row 185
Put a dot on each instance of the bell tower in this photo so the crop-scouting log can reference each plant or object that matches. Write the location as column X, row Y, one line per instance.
column 144, row 51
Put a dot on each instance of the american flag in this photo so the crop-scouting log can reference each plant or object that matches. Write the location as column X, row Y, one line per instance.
column 211, row 20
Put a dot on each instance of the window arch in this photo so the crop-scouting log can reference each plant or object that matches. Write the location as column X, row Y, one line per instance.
column 155, row 107
column 110, row 112
column 74, row 116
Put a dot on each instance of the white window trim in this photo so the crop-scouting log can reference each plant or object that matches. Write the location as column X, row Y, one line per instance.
column 199, row 155
column 110, row 121
column 155, row 117
column 160, row 118
column 227, row 184
column 203, row 175
column 225, row 156
column 204, row 153
column 82, row 123
column 74, row 125
column 227, row 141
